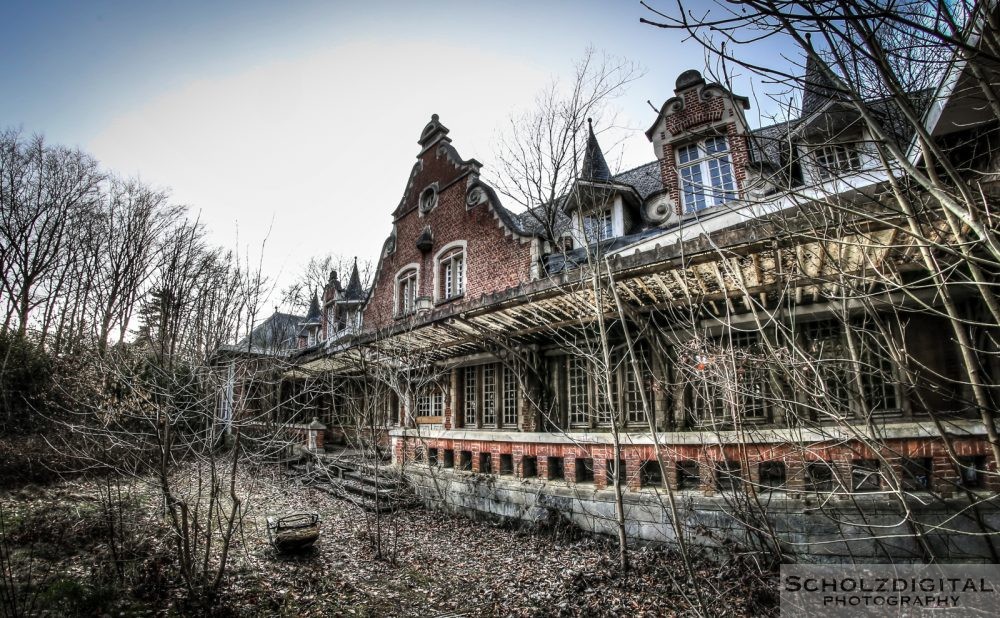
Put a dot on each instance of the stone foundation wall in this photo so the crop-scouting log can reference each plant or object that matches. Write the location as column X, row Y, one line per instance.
column 820, row 528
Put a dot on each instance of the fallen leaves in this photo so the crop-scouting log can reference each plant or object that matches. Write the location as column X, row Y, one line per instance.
column 445, row 566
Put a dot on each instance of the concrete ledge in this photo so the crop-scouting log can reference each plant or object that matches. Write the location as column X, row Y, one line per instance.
column 888, row 431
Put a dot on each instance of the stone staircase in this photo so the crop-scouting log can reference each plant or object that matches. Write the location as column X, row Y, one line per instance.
column 377, row 488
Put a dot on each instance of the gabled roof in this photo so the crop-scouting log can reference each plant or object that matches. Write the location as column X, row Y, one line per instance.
column 433, row 134
column 645, row 180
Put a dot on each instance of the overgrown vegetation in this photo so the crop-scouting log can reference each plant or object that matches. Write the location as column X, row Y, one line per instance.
column 62, row 537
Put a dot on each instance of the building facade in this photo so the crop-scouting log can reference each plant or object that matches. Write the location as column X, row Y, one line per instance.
column 743, row 325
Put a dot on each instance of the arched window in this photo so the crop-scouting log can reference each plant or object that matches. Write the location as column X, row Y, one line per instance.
column 451, row 274
column 406, row 291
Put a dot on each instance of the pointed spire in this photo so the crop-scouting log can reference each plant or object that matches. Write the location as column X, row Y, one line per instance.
column 314, row 312
column 818, row 89
column 354, row 290
column 594, row 165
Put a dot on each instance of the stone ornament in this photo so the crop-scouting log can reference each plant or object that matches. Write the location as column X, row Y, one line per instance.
column 475, row 197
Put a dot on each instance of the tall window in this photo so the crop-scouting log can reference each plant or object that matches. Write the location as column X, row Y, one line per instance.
column 606, row 395
column 878, row 384
column 727, row 381
column 451, row 271
column 599, row 225
column 406, row 291
column 831, row 362
column 509, row 418
column 635, row 412
column 578, row 395
column 833, row 160
column 589, row 400
column 750, row 379
column 834, row 370
column 489, row 396
column 706, row 174
column 471, row 399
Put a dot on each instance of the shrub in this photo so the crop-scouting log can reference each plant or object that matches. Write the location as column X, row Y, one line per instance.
column 25, row 380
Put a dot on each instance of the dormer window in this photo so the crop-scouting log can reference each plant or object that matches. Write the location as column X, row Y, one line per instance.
column 599, row 225
column 406, row 291
column 706, row 174
column 451, row 273
column 833, row 160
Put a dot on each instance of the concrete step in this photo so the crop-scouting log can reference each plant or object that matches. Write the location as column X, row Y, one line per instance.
column 366, row 490
column 373, row 481
column 369, row 503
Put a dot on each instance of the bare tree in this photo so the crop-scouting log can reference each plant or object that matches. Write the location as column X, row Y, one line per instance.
column 158, row 421
column 315, row 276
column 44, row 190
column 541, row 152
column 132, row 219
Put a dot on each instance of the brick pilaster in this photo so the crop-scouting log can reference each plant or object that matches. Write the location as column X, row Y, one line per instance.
column 600, row 476
column 543, row 467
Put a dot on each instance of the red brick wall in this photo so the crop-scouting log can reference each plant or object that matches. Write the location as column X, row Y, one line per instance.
column 495, row 259
column 795, row 458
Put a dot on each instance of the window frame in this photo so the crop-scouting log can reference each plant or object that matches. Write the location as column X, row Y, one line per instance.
column 711, row 165
column 428, row 402
column 452, row 268
column 705, row 397
column 496, row 397
column 454, row 257
column 832, row 161
column 601, row 221
column 583, row 387
column 838, row 373
column 409, row 274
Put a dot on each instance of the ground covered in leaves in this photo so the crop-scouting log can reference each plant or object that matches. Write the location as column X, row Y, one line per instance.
column 439, row 565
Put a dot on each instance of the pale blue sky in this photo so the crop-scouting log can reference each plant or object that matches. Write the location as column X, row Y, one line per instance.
column 307, row 113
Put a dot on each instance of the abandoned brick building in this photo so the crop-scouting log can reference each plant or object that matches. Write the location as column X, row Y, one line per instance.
column 715, row 322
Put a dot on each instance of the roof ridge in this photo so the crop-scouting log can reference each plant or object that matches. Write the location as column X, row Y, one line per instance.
column 632, row 169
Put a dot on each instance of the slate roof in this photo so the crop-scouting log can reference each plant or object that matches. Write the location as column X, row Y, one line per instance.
column 560, row 261
column 314, row 314
column 594, row 166
column 818, row 90
column 532, row 221
column 769, row 145
column 645, row 179
column 276, row 333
